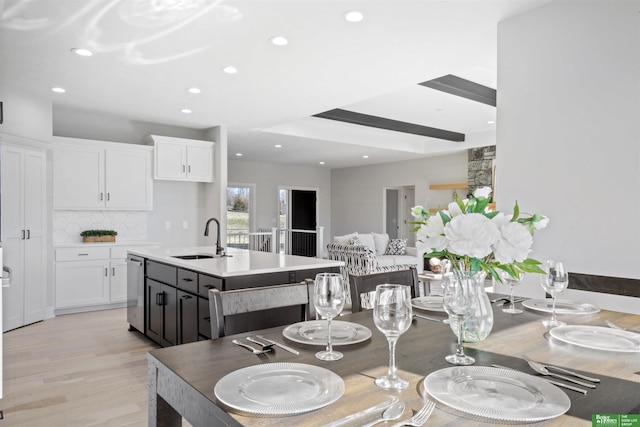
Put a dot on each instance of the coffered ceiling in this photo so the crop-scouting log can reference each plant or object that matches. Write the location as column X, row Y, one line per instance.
column 391, row 68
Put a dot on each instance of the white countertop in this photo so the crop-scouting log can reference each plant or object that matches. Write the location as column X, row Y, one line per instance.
column 241, row 262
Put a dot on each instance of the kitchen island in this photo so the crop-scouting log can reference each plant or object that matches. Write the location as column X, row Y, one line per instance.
column 168, row 288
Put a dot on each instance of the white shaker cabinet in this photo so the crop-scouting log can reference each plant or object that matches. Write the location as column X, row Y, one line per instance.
column 102, row 175
column 179, row 159
column 23, row 235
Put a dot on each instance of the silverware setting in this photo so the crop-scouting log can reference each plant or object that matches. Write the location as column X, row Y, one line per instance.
column 420, row 417
column 421, row 316
column 252, row 349
column 277, row 344
column 504, row 301
column 264, row 345
column 379, row 407
column 614, row 326
column 556, row 383
column 559, row 369
column 539, row 368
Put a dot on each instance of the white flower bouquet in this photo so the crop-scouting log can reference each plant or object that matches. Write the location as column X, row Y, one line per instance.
column 475, row 238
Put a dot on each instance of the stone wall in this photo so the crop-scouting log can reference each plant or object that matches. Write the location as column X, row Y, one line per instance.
column 480, row 169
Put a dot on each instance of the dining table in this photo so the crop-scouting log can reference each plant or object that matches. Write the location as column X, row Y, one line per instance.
column 182, row 378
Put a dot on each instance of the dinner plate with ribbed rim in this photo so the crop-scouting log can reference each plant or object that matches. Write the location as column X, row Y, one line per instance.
column 598, row 337
column 562, row 306
column 429, row 303
column 496, row 395
column 315, row 332
column 278, row 389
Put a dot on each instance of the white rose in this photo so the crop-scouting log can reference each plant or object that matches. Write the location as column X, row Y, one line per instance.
column 434, row 226
column 454, row 209
column 471, row 234
column 418, row 212
column 514, row 244
column 539, row 225
column 427, row 244
column 482, row 192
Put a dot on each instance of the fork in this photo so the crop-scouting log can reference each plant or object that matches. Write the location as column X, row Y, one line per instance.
column 419, row 417
column 248, row 347
column 265, row 346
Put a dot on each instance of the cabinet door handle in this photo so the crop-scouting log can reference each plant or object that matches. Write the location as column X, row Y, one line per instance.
column 189, row 168
column 187, row 297
column 208, row 319
column 209, row 286
column 23, row 234
column 28, row 234
column 83, row 254
column 158, row 302
column 108, row 196
column 113, row 271
column 186, row 279
column 184, row 168
column 101, row 196
column 106, row 272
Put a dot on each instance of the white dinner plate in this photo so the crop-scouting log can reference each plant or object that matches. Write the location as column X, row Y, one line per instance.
column 497, row 395
column 276, row 389
column 562, row 306
column 429, row 303
column 598, row 337
column 314, row 332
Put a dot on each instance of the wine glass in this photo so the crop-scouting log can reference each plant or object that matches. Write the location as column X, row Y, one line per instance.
column 511, row 281
column 328, row 299
column 392, row 315
column 554, row 281
column 459, row 302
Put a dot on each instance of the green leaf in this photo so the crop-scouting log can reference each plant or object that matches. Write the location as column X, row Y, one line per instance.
column 516, row 212
column 445, row 218
column 481, row 205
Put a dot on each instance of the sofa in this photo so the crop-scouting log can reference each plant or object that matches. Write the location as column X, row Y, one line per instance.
column 368, row 253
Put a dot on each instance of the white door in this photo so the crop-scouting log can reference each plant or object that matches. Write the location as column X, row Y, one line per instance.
column 408, row 201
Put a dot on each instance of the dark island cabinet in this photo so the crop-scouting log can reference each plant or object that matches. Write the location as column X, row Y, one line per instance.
column 177, row 300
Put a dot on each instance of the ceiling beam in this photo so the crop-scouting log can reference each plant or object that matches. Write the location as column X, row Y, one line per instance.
column 389, row 124
column 465, row 88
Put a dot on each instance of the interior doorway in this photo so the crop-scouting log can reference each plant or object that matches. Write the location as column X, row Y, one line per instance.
column 299, row 219
column 398, row 202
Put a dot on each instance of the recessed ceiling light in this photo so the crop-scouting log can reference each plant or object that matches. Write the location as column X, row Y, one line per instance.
column 365, row 157
column 82, row 52
column 279, row 41
column 186, row 111
column 491, row 122
column 230, row 70
column 322, row 163
column 353, row 16
column 278, row 146
column 439, row 109
column 239, row 154
column 194, row 90
column 58, row 89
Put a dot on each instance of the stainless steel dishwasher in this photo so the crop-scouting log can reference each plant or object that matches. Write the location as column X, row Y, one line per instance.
column 135, row 293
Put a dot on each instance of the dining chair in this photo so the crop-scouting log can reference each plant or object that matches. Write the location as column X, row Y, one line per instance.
column 363, row 285
column 248, row 309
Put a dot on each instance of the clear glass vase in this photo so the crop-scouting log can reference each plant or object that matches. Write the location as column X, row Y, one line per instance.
column 478, row 325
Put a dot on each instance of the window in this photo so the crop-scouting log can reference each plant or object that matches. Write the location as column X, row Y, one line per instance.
column 239, row 214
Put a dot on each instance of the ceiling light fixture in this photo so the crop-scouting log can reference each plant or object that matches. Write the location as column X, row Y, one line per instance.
column 186, row 111
column 322, row 163
column 353, row 16
column 194, row 90
column 82, row 52
column 239, row 154
column 58, row 89
column 278, row 146
column 230, row 70
column 365, row 157
column 491, row 122
column 279, row 41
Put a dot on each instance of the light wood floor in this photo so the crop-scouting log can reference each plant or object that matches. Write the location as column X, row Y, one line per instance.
column 82, row 369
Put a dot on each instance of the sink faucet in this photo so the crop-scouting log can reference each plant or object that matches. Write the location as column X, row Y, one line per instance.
column 219, row 249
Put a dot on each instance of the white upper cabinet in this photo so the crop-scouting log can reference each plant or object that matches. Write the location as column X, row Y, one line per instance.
column 179, row 159
column 101, row 175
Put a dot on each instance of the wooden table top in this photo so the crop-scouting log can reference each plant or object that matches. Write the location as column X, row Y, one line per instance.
column 420, row 351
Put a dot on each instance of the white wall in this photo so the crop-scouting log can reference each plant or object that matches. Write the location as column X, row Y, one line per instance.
column 568, row 132
column 269, row 176
column 357, row 194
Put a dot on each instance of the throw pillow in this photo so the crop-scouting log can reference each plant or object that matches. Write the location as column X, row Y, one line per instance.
column 381, row 242
column 367, row 240
column 355, row 241
column 396, row 247
column 344, row 239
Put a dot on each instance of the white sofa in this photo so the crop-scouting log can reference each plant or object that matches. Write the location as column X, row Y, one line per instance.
column 378, row 243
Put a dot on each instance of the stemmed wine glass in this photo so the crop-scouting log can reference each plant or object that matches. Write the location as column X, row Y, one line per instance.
column 392, row 315
column 328, row 299
column 554, row 281
column 459, row 302
column 511, row 281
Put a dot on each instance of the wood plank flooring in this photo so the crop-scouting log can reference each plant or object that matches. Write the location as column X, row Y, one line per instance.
column 83, row 369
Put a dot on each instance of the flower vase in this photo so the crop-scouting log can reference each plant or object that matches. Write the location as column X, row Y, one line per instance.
column 479, row 324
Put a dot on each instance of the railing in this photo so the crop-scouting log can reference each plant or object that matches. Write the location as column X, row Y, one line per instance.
column 290, row 242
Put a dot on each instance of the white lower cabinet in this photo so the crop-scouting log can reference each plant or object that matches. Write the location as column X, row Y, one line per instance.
column 90, row 278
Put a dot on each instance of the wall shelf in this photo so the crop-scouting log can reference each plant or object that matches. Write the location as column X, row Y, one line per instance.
column 448, row 186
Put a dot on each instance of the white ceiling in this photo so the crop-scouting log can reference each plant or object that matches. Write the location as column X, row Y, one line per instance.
column 148, row 52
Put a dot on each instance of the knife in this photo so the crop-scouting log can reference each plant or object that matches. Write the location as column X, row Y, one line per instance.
column 282, row 346
column 556, row 383
column 376, row 408
column 433, row 319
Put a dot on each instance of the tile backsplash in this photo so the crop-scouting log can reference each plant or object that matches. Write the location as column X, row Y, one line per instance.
column 67, row 225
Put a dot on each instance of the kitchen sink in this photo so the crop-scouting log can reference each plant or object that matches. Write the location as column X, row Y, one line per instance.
column 196, row 256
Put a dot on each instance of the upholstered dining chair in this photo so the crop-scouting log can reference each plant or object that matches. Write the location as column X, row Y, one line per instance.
column 362, row 286
column 248, row 309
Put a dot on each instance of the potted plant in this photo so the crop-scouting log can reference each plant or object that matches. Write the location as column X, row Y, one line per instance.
column 99, row 235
